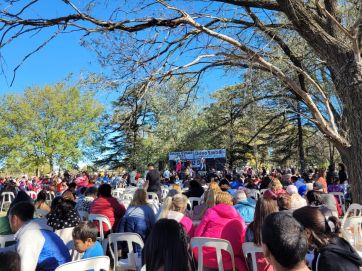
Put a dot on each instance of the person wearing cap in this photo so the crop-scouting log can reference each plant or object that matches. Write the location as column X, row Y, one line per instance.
column 245, row 208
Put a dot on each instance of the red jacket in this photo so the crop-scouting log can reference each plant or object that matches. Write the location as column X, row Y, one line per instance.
column 110, row 207
column 223, row 221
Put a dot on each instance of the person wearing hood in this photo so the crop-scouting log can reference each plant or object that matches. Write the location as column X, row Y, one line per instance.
column 223, row 221
column 331, row 252
column 244, row 207
column 38, row 246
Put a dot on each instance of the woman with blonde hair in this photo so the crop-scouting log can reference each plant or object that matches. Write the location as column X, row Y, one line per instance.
column 174, row 208
column 139, row 217
column 223, row 221
column 208, row 201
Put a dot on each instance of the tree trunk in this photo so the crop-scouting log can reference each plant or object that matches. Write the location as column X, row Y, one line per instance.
column 300, row 141
column 350, row 92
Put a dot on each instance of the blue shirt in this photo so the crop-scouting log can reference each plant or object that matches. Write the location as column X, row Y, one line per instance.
column 94, row 251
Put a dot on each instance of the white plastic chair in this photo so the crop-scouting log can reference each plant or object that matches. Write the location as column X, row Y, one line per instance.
column 351, row 231
column 192, row 200
column 101, row 219
column 132, row 262
column 66, row 236
column 354, row 209
column 255, row 194
column 5, row 239
column 262, row 191
column 127, row 196
column 50, row 195
column 218, row 244
column 32, row 194
column 7, row 198
column 164, row 192
column 117, row 193
column 249, row 248
column 96, row 264
column 341, row 201
column 152, row 196
column 83, row 215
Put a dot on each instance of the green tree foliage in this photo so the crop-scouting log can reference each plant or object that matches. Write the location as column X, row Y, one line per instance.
column 47, row 126
column 146, row 125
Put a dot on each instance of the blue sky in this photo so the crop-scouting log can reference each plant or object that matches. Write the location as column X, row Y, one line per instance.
column 63, row 56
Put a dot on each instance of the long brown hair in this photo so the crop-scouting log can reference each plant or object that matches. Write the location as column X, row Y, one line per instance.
column 263, row 208
column 139, row 198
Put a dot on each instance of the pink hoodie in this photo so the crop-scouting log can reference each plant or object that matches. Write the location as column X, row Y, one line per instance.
column 223, row 221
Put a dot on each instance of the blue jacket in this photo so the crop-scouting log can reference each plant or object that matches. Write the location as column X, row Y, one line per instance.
column 39, row 247
column 246, row 210
column 138, row 219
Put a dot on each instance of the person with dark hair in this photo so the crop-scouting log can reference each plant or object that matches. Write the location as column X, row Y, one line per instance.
column 224, row 185
column 70, row 194
column 331, row 252
column 342, row 174
column 62, row 214
column 85, row 240
column 108, row 206
column 168, row 248
column 153, row 180
column 10, row 261
column 20, row 197
column 84, row 203
column 40, row 202
column 330, row 174
column 38, row 246
column 195, row 189
column 284, row 242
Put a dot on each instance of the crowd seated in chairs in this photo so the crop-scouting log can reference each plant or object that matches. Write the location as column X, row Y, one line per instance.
column 248, row 223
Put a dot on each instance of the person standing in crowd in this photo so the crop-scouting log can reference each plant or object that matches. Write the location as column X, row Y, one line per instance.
column 321, row 178
column 342, row 174
column 153, row 180
column 132, row 176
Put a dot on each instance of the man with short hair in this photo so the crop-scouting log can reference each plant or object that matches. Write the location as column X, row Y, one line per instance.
column 153, row 179
column 284, row 242
column 38, row 246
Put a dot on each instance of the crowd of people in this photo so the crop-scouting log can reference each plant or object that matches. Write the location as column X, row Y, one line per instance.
column 292, row 216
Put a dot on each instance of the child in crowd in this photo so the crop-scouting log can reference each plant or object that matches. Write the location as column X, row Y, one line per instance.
column 85, row 240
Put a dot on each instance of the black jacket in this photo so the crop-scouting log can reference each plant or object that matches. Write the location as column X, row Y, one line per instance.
column 337, row 256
